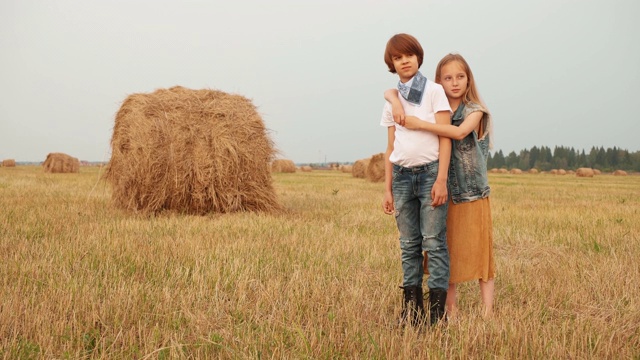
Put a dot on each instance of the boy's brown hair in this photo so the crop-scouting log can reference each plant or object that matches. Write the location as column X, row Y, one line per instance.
column 402, row 44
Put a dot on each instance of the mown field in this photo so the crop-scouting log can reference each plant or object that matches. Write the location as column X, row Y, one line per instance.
column 81, row 279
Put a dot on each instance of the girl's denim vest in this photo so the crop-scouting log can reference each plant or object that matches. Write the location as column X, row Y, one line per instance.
column 468, row 168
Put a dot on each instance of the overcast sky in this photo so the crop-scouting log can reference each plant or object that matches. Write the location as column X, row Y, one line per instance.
column 553, row 72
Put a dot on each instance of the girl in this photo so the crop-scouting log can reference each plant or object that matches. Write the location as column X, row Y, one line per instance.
column 469, row 224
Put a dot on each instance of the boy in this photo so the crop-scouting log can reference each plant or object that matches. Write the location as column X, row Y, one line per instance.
column 416, row 165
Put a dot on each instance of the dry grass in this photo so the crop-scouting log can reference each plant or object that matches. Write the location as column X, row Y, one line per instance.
column 81, row 279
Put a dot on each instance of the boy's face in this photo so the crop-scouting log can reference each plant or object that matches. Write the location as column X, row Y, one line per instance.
column 406, row 66
column 454, row 80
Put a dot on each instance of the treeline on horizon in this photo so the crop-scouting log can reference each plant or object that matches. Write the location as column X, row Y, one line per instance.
column 544, row 159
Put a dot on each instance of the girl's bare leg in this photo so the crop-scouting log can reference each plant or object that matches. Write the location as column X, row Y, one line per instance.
column 487, row 289
column 452, row 307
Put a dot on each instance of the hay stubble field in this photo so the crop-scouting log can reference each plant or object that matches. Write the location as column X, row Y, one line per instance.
column 82, row 279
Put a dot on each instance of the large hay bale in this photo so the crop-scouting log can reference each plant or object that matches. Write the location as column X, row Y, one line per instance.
column 562, row 172
column 60, row 163
column 620, row 173
column 191, row 151
column 360, row 168
column 585, row 172
column 375, row 168
column 515, row 171
column 8, row 163
column 533, row 171
column 283, row 166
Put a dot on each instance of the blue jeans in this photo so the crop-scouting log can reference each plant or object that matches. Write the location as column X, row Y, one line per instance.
column 421, row 226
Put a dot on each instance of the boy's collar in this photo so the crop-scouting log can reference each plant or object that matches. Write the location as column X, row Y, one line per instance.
column 414, row 90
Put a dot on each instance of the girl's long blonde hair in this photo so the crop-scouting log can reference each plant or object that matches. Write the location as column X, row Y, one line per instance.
column 471, row 95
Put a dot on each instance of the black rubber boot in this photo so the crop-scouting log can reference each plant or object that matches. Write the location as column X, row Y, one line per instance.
column 437, row 302
column 412, row 306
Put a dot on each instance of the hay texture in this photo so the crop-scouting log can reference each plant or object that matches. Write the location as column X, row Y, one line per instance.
column 8, row 163
column 584, row 172
column 283, row 166
column 191, row 151
column 515, row 171
column 59, row 163
column 360, row 168
column 375, row 168
column 346, row 168
column 620, row 173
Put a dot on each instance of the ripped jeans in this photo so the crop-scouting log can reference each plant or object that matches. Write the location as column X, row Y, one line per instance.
column 421, row 226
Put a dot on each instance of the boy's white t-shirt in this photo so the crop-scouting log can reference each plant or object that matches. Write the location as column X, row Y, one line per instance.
column 417, row 147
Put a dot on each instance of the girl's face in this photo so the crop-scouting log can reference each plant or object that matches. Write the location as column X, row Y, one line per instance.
column 454, row 80
column 406, row 66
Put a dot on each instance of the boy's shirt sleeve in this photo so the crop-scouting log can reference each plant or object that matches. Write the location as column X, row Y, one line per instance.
column 387, row 116
column 439, row 99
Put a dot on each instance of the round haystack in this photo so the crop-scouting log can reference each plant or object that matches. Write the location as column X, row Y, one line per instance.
column 59, row 163
column 553, row 172
column 360, row 168
column 562, row 172
column 494, row 171
column 515, row 171
column 283, row 166
column 8, row 163
column 503, row 171
column 584, row 172
column 346, row 168
column 597, row 172
column 191, row 151
column 306, row 168
column 375, row 169
column 620, row 173
column 533, row 171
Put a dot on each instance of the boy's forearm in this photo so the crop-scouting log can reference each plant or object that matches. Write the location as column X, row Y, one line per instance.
column 443, row 159
column 391, row 95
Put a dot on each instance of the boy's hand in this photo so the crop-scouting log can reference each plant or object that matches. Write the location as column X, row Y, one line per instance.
column 398, row 113
column 439, row 193
column 387, row 204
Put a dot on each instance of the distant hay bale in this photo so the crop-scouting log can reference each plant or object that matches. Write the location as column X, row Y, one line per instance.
column 360, row 168
column 553, row 172
column 494, row 171
column 283, row 166
column 597, row 172
column 346, row 168
column 503, row 171
column 584, row 172
column 191, row 151
column 9, row 163
column 620, row 173
column 375, row 169
column 515, row 171
column 306, row 168
column 60, row 163
column 533, row 171
column 562, row 172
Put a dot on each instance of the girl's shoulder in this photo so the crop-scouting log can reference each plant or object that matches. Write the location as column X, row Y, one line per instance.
column 473, row 107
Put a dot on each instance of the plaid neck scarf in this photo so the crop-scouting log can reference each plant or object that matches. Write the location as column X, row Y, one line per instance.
column 413, row 94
